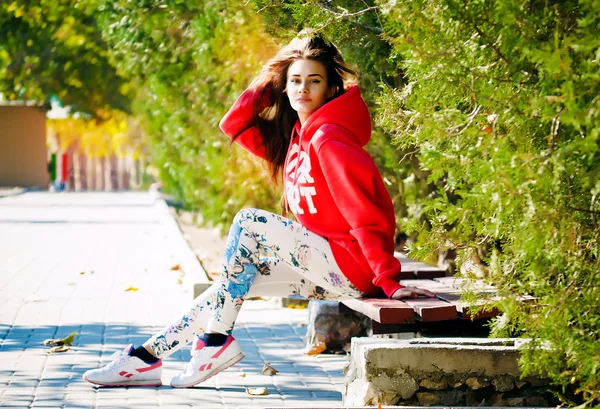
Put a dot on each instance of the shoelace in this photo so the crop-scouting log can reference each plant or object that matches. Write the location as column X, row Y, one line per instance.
column 117, row 358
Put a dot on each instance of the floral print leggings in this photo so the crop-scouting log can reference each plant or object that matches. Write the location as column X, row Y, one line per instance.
column 266, row 255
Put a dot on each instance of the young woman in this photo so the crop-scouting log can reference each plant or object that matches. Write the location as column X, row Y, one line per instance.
column 305, row 116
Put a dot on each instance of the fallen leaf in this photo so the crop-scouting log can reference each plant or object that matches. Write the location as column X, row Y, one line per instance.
column 176, row 267
column 242, row 375
column 60, row 341
column 256, row 391
column 132, row 289
column 179, row 281
column 379, row 406
column 315, row 348
column 269, row 370
column 82, row 272
column 298, row 306
column 61, row 348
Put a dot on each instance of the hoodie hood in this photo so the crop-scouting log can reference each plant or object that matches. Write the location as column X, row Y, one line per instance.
column 348, row 111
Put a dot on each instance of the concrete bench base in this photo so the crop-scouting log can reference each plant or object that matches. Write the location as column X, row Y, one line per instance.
column 440, row 371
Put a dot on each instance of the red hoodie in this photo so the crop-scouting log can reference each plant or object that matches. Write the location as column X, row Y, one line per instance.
column 333, row 187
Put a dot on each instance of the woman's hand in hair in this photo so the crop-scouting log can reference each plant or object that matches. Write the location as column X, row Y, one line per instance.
column 411, row 292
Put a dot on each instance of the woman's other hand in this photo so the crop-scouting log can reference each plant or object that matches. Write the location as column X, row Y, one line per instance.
column 411, row 292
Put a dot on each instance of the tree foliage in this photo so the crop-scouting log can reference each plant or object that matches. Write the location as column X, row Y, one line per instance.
column 495, row 106
column 53, row 48
column 189, row 61
column 502, row 105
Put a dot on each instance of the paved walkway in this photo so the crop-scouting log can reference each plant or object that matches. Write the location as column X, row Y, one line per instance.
column 66, row 261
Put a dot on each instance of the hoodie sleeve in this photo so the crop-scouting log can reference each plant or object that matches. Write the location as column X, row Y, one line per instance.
column 239, row 117
column 352, row 179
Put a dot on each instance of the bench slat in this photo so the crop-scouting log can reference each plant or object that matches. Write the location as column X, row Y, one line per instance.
column 383, row 310
column 449, row 289
column 412, row 269
column 429, row 309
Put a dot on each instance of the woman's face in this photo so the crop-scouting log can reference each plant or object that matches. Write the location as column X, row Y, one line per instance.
column 306, row 87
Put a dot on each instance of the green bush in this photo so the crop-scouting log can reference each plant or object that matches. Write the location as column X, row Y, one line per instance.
column 502, row 103
column 494, row 108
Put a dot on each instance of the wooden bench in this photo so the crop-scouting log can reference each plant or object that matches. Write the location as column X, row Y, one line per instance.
column 413, row 315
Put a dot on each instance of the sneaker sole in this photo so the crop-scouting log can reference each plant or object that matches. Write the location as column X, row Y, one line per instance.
column 213, row 371
column 126, row 383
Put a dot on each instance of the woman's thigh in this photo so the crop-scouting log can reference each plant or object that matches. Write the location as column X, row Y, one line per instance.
column 298, row 259
column 284, row 281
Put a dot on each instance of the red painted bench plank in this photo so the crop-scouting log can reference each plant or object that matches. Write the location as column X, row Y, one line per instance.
column 430, row 309
column 383, row 310
column 449, row 289
column 447, row 307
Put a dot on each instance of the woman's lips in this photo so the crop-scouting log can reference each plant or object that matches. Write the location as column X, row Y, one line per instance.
column 304, row 100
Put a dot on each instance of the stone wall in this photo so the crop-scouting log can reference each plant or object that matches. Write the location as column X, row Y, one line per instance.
column 441, row 372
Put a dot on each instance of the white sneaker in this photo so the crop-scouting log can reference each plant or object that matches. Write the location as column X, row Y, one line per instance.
column 126, row 370
column 208, row 361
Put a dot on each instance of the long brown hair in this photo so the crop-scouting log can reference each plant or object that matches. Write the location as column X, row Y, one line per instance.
column 276, row 122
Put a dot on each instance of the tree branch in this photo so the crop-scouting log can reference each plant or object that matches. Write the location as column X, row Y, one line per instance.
column 582, row 210
column 345, row 15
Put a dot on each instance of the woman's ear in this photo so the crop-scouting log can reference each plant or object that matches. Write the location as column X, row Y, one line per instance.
column 330, row 92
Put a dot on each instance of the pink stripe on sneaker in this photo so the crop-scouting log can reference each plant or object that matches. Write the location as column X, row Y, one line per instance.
column 209, row 366
column 151, row 367
column 201, row 368
column 230, row 339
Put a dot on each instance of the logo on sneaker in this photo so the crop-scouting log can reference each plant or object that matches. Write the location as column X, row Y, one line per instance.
column 126, row 374
column 205, row 367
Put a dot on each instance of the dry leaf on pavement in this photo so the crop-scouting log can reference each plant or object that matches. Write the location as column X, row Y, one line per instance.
column 132, row 289
column 316, row 348
column 269, row 370
column 256, row 391
column 61, row 348
column 60, row 341
column 176, row 267
column 242, row 375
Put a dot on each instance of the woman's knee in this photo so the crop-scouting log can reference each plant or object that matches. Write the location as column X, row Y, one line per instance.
column 251, row 215
column 244, row 215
